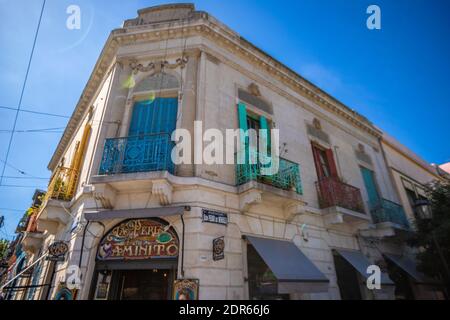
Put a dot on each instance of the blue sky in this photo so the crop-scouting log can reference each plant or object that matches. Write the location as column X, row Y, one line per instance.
column 397, row 76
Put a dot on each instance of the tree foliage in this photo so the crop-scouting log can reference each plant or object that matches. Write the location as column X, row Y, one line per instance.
column 432, row 237
column 4, row 244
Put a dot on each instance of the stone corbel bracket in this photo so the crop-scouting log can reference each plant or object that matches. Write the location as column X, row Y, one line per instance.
column 331, row 219
column 103, row 193
column 163, row 190
column 293, row 209
column 249, row 199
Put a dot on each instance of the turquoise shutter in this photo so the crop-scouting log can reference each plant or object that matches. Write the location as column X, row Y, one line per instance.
column 371, row 187
column 149, row 146
column 158, row 116
column 242, row 114
column 266, row 135
column 139, row 113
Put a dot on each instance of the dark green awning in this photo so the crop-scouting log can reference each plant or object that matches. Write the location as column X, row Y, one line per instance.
column 360, row 263
column 410, row 267
column 293, row 270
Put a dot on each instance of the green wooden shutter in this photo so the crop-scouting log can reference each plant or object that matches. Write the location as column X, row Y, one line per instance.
column 242, row 116
column 242, row 113
column 371, row 187
column 265, row 126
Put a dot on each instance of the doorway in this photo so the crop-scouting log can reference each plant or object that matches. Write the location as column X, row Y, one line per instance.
column 133, row 284
column 143, row 284
column 347, row 279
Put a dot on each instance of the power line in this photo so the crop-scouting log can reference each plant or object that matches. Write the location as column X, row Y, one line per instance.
column 9, row 209
column 49, row 114
column 6, row 164
column 31, row 178
column 22, row 92
column 44, row 130
column 35, row 112
column 19, row 186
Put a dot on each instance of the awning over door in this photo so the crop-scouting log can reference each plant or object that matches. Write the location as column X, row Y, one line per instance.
column 134, row 213
column 295, row 273
column 360, row 263
column 410, row 267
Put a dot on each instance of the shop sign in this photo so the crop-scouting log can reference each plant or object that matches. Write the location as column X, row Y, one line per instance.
column 214, row 217
column 64, row 293
column 185, row 289
column 218, row 249
column 139, row 239
column 103, row 283
column 57, row 251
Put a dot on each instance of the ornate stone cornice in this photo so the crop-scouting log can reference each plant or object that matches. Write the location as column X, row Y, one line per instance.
column 201, row 24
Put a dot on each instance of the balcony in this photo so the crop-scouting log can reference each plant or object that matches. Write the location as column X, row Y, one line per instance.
column 32, row 220
column 281, row 191
column 388, row 211
column 62, row 185
column 334, row 193
column 340, row 202
column 287, row 177
column 144, row 153
column 32, row 238
column 52, row 215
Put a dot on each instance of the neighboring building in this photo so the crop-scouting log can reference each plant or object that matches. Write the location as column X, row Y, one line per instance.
column 445, row 167
column 135, row 222
column 22, row 277
column 410, row 175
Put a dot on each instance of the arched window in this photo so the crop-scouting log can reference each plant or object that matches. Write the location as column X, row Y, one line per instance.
column 158, row 81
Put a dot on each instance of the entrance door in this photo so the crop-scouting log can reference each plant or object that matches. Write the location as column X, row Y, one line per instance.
column 347, row 279
column 143, row 284
column 371, row 187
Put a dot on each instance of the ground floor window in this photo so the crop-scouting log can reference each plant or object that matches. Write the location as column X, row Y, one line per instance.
column 262, row 284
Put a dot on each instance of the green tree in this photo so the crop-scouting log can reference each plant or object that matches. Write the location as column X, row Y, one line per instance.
column 4, row 244
column 432, row 236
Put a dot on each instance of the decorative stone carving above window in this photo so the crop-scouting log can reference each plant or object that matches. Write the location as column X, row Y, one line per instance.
column 361, row 154
column 317, row 125
column 315, row 130
column 254, row 100
column 157, row 81
column 158, row 66
column 254, row 89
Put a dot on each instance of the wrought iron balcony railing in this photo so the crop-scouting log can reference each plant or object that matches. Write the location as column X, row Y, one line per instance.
column 334, row 193
column 287, row 177
column 388, row 211
column 63, row 184
column 23, row 224
column 151, row 152
column 28, row 222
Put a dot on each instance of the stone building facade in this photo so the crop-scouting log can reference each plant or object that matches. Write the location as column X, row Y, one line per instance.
column 130, row 216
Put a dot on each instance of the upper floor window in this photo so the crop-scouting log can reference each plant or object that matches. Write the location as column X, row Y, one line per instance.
column 250, row 120
column 157, row 82
column 324, row 162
